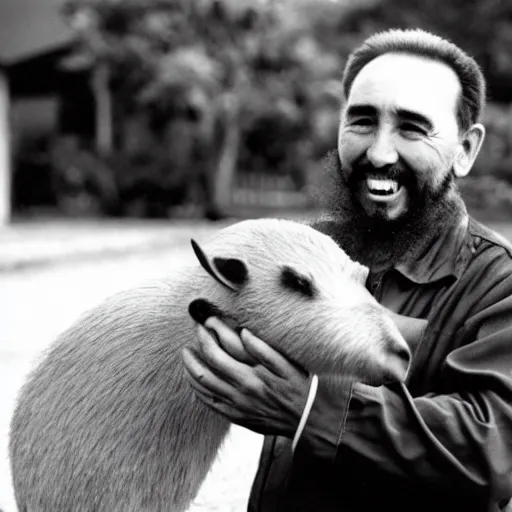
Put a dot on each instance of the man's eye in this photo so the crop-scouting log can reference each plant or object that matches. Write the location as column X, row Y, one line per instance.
column 409, row 127
column 362, row 121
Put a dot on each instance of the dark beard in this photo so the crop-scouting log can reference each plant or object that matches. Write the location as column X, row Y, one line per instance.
column 378, row 242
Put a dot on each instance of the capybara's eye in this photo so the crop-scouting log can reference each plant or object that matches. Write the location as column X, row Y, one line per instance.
column 292, row 280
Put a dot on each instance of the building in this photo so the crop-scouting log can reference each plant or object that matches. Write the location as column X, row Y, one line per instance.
column 33, row 37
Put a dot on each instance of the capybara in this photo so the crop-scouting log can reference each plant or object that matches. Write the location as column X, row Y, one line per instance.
column 106, row 422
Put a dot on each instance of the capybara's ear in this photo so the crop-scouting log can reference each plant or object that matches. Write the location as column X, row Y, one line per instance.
column 232, row 269
column 230, row 272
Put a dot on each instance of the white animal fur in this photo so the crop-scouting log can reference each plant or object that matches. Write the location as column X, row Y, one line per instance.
column 106, row 422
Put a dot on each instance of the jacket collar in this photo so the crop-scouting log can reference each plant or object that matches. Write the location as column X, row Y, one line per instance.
column 445, row 255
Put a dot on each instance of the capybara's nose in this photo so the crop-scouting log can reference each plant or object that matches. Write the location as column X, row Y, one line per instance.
column 398, row 364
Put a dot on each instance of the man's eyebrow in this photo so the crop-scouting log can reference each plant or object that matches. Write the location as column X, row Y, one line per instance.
column 361, row 110
column 405, row 114
column 410, row 115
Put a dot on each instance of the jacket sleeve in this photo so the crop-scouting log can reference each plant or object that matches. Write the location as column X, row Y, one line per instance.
column 463, row 437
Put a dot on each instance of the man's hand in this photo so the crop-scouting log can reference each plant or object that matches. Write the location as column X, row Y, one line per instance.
column 259, row 389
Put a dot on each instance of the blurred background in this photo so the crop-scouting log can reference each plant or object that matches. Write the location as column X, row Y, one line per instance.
column 208, row 108
column 128, row 126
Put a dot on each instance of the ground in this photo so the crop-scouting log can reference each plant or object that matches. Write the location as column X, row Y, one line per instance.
column 37, row 303
column 38, row 300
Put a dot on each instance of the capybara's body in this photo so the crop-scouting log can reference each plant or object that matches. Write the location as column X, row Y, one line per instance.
column 107, row 423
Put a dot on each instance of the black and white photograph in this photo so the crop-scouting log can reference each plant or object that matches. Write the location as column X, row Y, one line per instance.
column 255, row 255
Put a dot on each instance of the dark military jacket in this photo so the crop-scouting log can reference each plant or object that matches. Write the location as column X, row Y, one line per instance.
column 443, row 440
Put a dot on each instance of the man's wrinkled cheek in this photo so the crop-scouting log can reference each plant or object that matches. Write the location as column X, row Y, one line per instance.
column 350, row 149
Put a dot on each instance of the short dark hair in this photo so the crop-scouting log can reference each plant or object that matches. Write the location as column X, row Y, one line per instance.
column 424, row 44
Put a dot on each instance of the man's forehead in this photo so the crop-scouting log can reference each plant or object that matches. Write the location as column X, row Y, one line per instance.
column 400, row 81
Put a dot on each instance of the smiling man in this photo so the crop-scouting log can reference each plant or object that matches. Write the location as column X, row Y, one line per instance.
column 402, row 143
column 409, row 128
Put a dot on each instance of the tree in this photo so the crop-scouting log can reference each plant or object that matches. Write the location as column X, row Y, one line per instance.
column 483, row 29
column 213, row 68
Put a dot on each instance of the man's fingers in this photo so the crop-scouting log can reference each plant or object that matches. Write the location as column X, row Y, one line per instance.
column 204, row 381
column 225, row 366
column 214, row 392
column 267, row 356
column 229, row 340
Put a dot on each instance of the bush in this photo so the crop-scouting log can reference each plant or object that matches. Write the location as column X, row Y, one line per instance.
column 495, row 157
column 488, row 189
column 487, row 197
column 82, row 183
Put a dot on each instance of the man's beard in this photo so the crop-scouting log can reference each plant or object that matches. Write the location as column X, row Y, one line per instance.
column 375, row 240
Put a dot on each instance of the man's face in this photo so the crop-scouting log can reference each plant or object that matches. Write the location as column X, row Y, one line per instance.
column 399, row 136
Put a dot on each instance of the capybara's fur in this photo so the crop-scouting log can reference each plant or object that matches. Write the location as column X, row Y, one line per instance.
column 106, row 422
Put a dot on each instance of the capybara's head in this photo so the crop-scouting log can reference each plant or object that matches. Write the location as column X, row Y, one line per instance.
column 293, row 287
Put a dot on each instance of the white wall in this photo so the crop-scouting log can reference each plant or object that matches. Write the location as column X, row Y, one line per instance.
column 5, row 152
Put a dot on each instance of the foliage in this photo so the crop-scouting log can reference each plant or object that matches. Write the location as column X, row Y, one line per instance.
column 487, row 197
column 251, row 82
column 482, row 28
column 488, row 189
column 204, row 87
column 495, row 157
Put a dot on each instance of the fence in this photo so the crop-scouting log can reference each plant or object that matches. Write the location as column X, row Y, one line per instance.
column 268, row 191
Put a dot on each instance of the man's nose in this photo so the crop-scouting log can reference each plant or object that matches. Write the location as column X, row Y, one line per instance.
column 382, row 151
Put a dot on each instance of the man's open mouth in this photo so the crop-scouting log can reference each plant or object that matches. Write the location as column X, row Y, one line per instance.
column 382, row 187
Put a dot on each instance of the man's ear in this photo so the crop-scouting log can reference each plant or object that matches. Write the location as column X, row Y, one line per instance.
column 470, row 146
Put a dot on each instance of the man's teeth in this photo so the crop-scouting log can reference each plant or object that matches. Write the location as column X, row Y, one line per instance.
column 382, row 186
